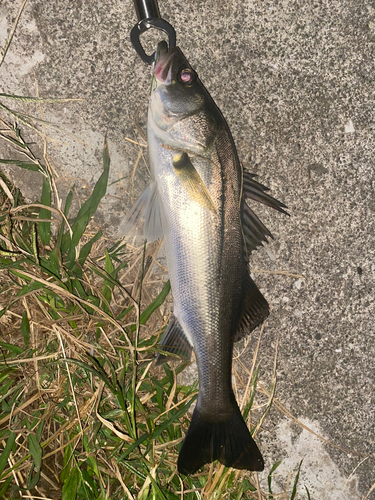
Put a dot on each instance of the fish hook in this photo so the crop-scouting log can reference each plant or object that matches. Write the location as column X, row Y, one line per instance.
column 149, row 17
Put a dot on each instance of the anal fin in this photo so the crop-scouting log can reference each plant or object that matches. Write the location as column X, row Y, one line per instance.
column 255, row 310
column 174, row 341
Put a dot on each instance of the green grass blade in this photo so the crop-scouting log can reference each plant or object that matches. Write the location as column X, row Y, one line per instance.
column 89, row 207
column 34, row 285
column 108, row 286
column 269, row 479
column 63, row 240
column 294, row 492
column 135, row 471
column 133, row 447
column 99, row 373
column 124, row 313
column 25, row 329
column 11, row 264
column 88, row 485
column 71, row 485
column 52, row 266
column 109, row 279
column 108, row 263
column 45, row 227
column 308, row 493
column 117, row 251
column 249, row 404
column 161, row 428
column 28, row 165
column 86, row 249
column 19, row 144
column 15, row 349
column 5, row 487
column 71, row 256
column 36, row 453
column 54, row 263
column 6, row 451
column 86, row 212
column 160, row 494
column 157, row 302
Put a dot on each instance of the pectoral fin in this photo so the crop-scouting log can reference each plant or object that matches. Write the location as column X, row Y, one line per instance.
column 147, row 216
column 191, row 181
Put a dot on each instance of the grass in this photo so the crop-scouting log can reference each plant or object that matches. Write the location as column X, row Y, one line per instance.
column 84, row 412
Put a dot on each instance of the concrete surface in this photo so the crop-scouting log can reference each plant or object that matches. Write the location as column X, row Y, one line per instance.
column 295, row 81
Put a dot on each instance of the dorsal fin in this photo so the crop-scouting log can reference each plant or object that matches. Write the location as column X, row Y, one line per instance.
column 255, row 191
column 254, row 231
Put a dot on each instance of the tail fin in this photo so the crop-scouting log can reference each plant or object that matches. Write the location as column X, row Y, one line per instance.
column 230, row 442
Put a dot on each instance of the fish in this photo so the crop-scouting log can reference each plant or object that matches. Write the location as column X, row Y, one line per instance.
column 196, row 202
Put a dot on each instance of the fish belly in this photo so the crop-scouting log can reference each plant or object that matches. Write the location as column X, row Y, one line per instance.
column 204, row 259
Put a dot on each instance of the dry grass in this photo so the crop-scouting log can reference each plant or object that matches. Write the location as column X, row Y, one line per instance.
column 84, row 412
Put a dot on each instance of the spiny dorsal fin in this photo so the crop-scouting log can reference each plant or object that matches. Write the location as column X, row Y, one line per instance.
column 257, row 192
column 254, row 231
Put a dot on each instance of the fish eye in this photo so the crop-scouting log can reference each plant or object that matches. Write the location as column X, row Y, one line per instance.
column 187, row 76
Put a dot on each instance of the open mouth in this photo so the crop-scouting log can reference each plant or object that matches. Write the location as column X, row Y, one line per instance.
column 164, row 62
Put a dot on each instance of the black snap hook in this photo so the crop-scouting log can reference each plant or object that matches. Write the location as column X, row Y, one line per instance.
column 149, row 17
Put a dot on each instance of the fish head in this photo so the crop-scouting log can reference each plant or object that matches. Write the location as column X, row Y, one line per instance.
column 181, row 111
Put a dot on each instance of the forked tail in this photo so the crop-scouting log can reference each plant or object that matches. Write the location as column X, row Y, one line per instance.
column 229, row 441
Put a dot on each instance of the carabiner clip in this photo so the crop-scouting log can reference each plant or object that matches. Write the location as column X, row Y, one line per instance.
column 149, row 17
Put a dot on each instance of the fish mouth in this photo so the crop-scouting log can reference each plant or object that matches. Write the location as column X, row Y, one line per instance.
column 164, row 63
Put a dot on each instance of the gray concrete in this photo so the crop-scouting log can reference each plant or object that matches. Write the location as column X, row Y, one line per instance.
column 295, row 81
